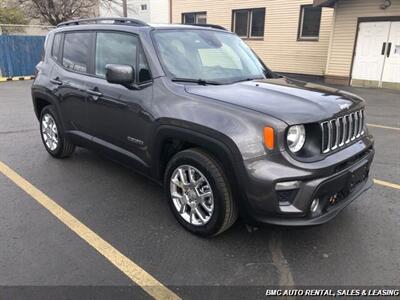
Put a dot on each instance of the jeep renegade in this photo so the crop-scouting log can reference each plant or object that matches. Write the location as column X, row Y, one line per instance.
column 195, row 109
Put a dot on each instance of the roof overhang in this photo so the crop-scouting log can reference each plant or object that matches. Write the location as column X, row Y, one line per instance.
column 325, row 3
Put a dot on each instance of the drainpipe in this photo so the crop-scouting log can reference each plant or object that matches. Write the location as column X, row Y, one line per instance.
column 125, row 8
column 170, row 11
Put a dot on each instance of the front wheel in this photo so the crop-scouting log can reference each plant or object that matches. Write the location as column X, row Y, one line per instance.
column 199, row 193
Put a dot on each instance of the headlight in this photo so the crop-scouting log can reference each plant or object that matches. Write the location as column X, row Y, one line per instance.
column 296, row 138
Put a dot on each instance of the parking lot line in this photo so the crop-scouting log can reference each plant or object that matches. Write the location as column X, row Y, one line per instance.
column 387, row 184
column 383, row 127
column 139, row 276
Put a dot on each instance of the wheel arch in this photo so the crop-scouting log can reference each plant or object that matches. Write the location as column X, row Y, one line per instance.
column 170, row 139
column 41, row 100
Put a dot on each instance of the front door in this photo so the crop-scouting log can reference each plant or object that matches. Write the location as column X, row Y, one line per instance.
column 118, row 117
column 376, row 62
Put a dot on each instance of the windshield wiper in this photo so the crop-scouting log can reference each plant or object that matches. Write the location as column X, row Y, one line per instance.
column 248, row 79
column 198, row 81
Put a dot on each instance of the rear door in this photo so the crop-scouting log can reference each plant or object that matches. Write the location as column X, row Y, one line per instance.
column 119, row 116
column 69, row 78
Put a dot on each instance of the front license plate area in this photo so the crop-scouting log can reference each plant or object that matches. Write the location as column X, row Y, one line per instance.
column 358, row 174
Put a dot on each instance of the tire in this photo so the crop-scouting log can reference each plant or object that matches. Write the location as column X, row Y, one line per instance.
column 219, row 211
column 63, row 148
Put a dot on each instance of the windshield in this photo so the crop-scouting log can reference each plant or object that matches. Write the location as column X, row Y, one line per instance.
column 211, row 56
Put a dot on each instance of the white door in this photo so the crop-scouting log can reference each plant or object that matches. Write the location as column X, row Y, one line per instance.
column 369, row 59
column 391, row 69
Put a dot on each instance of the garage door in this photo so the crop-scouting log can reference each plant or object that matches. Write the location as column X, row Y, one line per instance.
column 377, row 59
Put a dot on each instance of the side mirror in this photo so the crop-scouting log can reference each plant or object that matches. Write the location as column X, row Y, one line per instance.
column 120, row 74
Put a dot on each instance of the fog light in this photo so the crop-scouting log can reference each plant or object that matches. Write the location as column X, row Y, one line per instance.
column 314, row 205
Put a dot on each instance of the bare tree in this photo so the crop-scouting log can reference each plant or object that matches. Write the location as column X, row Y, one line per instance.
column 119, row 7
column 56, row 11
column 11, row 15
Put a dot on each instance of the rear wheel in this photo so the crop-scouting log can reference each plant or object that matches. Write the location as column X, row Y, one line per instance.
column 52, row 134
column 199, row 193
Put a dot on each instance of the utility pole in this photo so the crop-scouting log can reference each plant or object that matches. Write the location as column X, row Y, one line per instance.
column 124, row 8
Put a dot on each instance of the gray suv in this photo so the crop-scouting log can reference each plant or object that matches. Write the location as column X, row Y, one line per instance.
column 195, row 109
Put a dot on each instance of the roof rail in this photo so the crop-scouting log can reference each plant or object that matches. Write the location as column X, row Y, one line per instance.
column 115, row 21
column 210, row 26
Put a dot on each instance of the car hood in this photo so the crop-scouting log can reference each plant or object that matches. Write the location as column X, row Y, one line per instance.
column 292, row 101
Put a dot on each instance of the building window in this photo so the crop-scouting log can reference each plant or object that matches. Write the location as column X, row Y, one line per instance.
column 249, row 23
column 194, row 18
column 310, row 21
column 143, row 7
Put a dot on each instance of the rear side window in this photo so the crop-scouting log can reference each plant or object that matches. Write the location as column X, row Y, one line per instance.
column 115, row 48
column 76, row 51
column 55, row 50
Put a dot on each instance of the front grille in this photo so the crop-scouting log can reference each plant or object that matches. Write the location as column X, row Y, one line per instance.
column 338, row 132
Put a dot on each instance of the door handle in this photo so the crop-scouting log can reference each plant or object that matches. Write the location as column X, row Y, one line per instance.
column 383, row 49
column 95, row 94
column 56, row 81
column 389, row 49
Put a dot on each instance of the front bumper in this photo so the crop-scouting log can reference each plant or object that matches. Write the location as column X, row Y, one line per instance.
column 324, row 216
column 331, row 186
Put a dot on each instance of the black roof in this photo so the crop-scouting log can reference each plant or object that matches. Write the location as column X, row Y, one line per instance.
column 119, row 21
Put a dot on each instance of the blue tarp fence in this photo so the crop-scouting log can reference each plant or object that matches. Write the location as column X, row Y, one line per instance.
column 19, row 54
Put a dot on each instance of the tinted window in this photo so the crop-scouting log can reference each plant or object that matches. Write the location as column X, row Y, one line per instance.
column 76, row 51
column 310, row 22
column 249, row 23
column 56, row 46
column 115, row 48
column 144, row 71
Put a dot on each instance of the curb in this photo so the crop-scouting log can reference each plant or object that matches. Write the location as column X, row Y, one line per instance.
column 4, row 79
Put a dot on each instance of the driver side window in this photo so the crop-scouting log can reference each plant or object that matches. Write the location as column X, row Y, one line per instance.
column 122, row 49
column 114, row 48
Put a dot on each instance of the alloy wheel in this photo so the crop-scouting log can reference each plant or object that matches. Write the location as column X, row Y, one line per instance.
column 192, row 195
column 50, row 132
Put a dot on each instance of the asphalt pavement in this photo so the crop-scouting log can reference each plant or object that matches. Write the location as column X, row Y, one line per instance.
column 358, row 248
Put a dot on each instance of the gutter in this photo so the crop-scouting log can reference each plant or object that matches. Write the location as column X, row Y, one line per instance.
column 324, row 3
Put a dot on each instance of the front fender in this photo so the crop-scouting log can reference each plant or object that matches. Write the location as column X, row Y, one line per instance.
column 222, row 147
column 215, row 142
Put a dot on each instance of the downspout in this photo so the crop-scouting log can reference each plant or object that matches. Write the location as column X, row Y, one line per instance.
column 332, row 35
column 170, row 11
